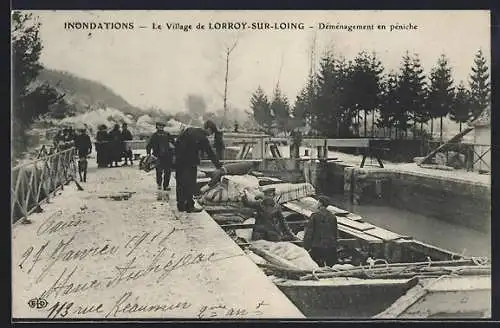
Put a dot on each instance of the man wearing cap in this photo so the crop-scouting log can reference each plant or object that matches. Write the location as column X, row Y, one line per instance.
column 320, row 236
column 270, row 224
column 161, row 144
column 126, row 135
column 188, row 146
column 83, row 144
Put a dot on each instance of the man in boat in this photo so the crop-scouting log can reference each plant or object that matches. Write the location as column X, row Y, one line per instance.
column 188, row 146
column 320, row 237
column 162, row 145
column 270, row 224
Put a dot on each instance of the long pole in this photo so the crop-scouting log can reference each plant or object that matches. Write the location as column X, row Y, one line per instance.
column 225, row 89
column 228, row 53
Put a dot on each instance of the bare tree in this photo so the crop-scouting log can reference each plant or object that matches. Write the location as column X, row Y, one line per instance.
column 228, row 52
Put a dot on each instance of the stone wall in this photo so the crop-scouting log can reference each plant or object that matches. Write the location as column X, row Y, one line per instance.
column 457, row 202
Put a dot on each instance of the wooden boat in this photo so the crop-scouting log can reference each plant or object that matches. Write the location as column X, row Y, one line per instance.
column 367, row 289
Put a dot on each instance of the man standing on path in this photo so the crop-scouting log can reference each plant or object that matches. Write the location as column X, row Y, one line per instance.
column 320, row 237
column 162, row 145
column 83, row 144
column 116, row 145
column 188, row 146
column 127, row 151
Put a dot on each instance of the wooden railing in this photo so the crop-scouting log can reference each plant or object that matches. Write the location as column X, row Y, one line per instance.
column 36, row 181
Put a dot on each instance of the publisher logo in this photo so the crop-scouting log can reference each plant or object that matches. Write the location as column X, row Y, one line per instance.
column 37, row 303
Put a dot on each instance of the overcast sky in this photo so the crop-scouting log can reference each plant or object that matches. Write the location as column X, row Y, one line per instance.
column 159, row 68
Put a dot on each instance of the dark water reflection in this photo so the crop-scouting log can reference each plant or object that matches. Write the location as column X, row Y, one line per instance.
column 442, row 234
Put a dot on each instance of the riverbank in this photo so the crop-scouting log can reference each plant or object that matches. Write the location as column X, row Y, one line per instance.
column 98, row 255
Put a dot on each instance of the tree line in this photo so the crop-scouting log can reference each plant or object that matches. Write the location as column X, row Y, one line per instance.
column 337, row 100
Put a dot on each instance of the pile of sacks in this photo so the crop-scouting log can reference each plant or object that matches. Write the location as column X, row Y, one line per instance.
column 246, row 188
column 232, row 188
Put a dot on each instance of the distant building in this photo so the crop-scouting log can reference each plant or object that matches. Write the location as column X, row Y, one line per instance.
column 482, row 141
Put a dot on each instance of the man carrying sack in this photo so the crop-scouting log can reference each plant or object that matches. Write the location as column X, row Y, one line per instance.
column 161, row 144
column 188, row 146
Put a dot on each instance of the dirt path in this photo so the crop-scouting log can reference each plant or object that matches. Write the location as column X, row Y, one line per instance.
column 92, row 257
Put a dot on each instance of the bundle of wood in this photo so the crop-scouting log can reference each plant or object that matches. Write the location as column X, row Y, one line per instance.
column 405, row 270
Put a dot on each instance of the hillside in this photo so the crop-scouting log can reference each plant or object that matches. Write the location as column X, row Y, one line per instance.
column 86, row 94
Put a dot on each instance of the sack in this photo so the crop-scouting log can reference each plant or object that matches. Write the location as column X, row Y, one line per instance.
column 288, row 252
column 147, row 163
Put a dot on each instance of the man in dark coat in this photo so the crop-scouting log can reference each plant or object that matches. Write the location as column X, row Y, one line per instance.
column 116, row 145
column 102, row 146
column 127, row 151
column 270, row 223
column 83, row 144
column 188, row 146
column 161, row 143
column 320, row 237
column 219, row 145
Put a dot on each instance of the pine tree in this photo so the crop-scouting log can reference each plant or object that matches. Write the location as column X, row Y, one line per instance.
column 479, row 85
column 28, row 102
column 389, row 103
column 303, row 107
column 325, row 110
column 345, row 115
column 365, row 85
column 409, row 92
column 461, row 111
column 333, row 111
column 420, row 111
column 441, row 91
column 280, row 108
column 261, row 109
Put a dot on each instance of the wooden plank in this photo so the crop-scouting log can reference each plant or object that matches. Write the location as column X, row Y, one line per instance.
column 293, row 206
column 383, row 234
column 434, row 252
column 360, row 235
column 354, row 217
column 348, row 143
column 337, row 211
column 346, row 242
column 361, row 226
column 251, row 225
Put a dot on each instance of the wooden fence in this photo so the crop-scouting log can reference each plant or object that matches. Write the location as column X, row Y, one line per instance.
column 35, row 182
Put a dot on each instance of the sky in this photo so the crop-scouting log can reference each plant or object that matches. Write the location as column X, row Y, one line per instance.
column 161, row 67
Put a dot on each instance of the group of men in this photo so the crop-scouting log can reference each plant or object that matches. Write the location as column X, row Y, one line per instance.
column 67, row 138
column 320, row 235
column 111, row 146
column 183, row 155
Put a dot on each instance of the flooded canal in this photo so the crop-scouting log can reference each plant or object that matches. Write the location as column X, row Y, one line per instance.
column 432, row 231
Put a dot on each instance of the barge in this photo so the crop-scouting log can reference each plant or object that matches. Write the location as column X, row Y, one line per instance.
column 381, row 274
